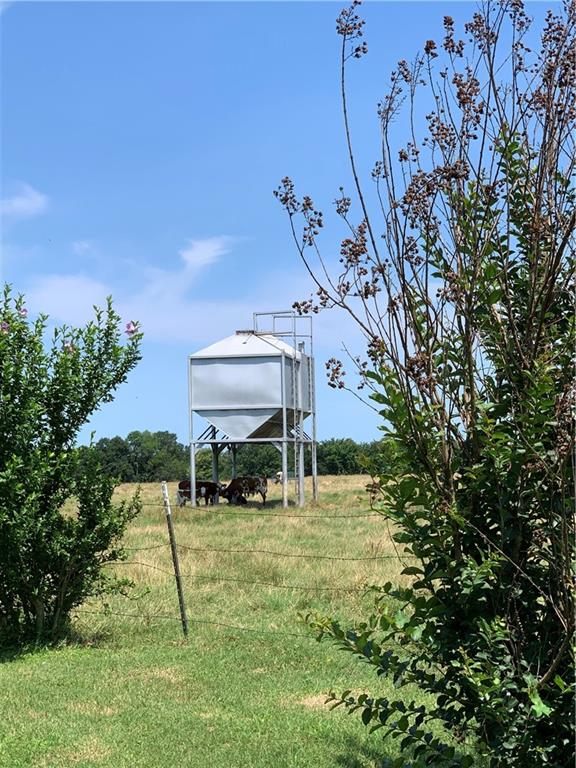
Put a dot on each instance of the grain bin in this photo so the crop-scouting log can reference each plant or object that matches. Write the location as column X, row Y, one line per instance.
column 256, row 386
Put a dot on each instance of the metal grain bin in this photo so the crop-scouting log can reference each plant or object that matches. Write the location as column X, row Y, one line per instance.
column 242, row 385
column 255, row 387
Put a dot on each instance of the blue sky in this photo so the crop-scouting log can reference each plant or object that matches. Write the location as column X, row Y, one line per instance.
column 141, row 143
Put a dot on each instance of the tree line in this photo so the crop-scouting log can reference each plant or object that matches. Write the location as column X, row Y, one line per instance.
column 145, row 457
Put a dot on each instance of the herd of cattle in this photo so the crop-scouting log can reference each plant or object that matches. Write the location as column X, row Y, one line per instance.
column 236, row 491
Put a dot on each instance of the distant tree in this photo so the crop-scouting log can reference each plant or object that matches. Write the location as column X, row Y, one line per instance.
column 144, row 457
column 459, row 270
column 156, row 456
column 116, row 459
column 338, row 456
column 152, row 456
column 377, row 457
column 251, row 460
column 204, row 465
column 254, row 460
column 58, row 525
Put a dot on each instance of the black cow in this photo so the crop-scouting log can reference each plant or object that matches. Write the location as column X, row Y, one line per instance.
column 205, row 489
column 237, row 489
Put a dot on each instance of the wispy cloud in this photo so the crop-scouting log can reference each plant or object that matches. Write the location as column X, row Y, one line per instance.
column 202, row 253
column 164, row 285
column 82, row 247
column 162, row 304
column 25, row 203
column 171, row 311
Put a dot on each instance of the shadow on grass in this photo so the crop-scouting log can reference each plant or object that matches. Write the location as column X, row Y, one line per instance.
column 272, row 505
column 73, row 637
column 89, row 638
column 252, row 504
column 358, row 754
column 256, row 504
column 15, row 653
column 361, row 755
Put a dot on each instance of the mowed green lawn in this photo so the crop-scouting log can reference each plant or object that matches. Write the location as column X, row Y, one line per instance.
column 247, row 689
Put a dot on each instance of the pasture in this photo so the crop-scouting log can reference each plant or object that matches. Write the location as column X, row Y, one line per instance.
column 247, row 689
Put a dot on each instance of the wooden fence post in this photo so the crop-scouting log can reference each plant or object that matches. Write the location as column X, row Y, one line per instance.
column 175, row 558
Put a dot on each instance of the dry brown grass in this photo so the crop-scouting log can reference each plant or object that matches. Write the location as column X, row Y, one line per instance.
column 316, row 702
column 89, row 750
column 93, row 709
column 158, row 674
column 260, row 569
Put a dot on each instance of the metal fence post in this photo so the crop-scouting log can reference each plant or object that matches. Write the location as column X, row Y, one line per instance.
column 175, row 558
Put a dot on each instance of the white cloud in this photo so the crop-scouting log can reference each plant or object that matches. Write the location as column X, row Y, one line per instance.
column 198, row 323
column 164, row 286
column 66, row 298
column 201, row 253
column 168, row 311
column 161, row 306
column 25, row 203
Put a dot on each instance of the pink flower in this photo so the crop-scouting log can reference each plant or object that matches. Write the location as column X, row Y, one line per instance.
column 4, row 326
column 131, row 328
column 23, row 312
column 69, row 347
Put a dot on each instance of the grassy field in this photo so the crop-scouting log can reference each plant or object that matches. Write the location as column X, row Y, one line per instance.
column 247, row 689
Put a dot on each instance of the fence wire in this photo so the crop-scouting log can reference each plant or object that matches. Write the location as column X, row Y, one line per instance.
column 200, row 577
column 284, row 554
column 250, row 513
column 246, row 552
column 207, row 622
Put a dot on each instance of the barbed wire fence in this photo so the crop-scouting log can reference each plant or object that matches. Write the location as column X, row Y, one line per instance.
column 180, row 577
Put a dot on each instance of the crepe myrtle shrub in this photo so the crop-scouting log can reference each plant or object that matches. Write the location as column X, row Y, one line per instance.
column 58, row 525
column 458, row 266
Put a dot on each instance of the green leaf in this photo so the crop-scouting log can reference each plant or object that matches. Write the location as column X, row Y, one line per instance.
column 539, row 708
column 561, row 684
column 367, row 715
column 403, row 723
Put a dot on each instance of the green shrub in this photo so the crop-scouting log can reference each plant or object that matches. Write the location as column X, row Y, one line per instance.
column 58, row 525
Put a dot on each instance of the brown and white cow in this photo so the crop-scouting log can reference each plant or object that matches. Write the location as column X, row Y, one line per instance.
column 205, row 489
column 238, row 489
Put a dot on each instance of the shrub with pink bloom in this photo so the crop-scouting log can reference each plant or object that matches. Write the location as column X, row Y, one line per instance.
column 49, row 388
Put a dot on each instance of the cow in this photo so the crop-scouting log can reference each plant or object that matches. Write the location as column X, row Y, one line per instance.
column 279, row 477
column 237, row 489
column 205, row 489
